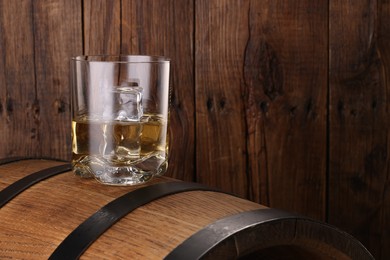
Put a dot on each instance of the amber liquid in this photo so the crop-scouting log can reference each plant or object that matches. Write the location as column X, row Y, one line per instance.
column 141, row 145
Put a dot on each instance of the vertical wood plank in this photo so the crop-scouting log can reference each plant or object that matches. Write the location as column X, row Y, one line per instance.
column 382, row 250
column 286, row 99
column 57, row 37
column 102, row 27
column 165, row 27
column 19, row 113
column 220, row 38
column 359, row 122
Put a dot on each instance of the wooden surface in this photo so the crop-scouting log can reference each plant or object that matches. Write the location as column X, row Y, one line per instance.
column 37, row 38
column 36, row 221
column 220, row 38
column 359, row 119
column 286, row 94
column 283, row 102
column 19, row 104
column 51, row 210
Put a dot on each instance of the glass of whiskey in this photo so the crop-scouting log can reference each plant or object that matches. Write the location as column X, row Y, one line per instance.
column 120, row 117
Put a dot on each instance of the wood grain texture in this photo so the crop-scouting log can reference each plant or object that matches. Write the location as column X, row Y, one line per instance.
column 102, row 27
column 286, row 98
column 165, row 28
column 381, row 249
column 149, row 232
column 281, row 102
column 37, row 44
column 220, row 37
column 19, row 111
column 54, row 207
column 359, row 122
column 57, row 35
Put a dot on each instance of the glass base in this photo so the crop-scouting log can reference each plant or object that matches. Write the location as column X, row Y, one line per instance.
column 119, row 175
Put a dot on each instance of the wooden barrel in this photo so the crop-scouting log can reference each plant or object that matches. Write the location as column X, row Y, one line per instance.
column 47, row 212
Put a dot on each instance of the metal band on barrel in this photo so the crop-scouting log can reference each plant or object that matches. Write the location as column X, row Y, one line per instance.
column 91, row 229
column 19, row 186
column 202, row 242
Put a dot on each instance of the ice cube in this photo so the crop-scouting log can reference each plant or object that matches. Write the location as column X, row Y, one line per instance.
column 122, row 115
column 128, row 103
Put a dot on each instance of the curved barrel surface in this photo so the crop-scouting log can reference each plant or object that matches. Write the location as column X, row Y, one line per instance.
column 165, row 218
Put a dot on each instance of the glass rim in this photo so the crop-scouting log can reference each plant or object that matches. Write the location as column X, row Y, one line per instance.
column 108, row 58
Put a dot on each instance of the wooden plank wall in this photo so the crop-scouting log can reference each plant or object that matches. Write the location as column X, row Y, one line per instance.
column 359, row 83
column 283, row 102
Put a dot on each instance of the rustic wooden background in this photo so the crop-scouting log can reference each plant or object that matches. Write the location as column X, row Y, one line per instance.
column 283, row 102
